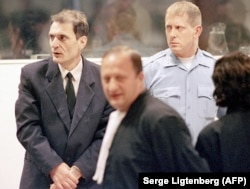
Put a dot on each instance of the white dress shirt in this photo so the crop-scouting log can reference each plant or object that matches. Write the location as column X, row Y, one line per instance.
column 76, row 73
column 115, row 119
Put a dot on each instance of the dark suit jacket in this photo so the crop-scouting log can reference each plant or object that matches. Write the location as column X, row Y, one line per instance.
column 226, row 143
column 44, row 127
column 152, row 137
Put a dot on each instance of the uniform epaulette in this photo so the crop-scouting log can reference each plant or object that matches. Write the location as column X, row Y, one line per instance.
column 154, row 57
column 207, row 54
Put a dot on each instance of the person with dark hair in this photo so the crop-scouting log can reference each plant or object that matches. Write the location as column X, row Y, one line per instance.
column 25, row 28
column 144, row 134
column 232, row 14
column 61, row 111
column 121, row 30
column 225, row 143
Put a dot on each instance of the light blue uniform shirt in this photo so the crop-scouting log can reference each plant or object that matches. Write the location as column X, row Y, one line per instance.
column 189, row 91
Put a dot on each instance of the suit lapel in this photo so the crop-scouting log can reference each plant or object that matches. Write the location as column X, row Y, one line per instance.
column 56, row 93
column 84, row 96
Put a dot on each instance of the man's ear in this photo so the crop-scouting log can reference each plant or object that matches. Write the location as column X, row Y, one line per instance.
column 198, row 30
column 83, row 41
column 141, row 76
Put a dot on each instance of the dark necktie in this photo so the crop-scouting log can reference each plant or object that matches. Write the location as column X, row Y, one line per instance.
column 71, row 98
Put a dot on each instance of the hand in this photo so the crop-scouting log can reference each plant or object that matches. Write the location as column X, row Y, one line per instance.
column 52, row 186
column 63, row 178
column 76, row 171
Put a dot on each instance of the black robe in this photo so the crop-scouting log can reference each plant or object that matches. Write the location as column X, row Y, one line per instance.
column 226, row 143
column 151, row 138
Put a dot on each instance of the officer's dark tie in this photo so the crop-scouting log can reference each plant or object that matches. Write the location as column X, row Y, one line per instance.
column 71, row 98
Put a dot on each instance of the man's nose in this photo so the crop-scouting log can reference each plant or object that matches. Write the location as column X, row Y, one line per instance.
column 112, row 85
column 172, row 33
column 54, row 43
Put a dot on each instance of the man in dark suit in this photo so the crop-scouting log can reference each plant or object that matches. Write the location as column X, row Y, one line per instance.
column 143, row 134
column 61, row 145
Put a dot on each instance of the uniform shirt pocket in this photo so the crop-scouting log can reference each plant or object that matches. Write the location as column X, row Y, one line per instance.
column 169, row 95
column 206, row 104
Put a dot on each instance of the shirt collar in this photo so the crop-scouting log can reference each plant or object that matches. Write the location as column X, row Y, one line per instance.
column 198, row 59
column 76, row 72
